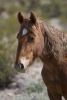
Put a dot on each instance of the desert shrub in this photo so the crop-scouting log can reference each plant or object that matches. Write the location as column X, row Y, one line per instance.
column 35, row 87
column 7, row 50
column 2, row 9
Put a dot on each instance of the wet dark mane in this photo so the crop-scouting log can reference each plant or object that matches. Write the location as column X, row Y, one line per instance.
column 56, row 40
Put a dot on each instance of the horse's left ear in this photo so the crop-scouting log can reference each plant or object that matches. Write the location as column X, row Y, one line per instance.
column 32, row 18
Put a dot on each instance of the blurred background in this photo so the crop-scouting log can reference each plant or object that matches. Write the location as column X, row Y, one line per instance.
column 29, row 85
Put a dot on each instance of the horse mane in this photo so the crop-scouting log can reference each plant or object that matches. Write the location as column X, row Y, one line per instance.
column 57, row 42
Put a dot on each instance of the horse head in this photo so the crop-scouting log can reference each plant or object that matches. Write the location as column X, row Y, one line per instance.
column 30, row 41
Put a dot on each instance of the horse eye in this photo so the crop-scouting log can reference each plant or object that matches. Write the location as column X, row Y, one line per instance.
column 31, row 38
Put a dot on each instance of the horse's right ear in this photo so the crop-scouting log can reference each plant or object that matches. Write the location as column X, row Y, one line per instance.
column 20, row 18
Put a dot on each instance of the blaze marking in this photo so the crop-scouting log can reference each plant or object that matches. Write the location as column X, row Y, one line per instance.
column 24, row 31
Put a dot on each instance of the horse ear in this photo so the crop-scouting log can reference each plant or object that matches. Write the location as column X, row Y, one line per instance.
column 32, row 18
column 20, row 18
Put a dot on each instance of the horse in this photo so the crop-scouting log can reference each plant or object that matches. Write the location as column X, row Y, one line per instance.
column 38, row 39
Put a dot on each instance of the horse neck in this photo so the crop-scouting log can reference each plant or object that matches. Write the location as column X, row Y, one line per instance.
column 53, row 40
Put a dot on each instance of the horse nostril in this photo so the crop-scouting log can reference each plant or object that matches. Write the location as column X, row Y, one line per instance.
column 21, row 66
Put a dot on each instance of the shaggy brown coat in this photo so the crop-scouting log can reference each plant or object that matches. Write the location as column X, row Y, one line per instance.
column 50, row 45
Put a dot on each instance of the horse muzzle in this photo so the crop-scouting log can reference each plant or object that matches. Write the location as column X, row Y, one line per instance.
column 22, row 65
column 19, row 67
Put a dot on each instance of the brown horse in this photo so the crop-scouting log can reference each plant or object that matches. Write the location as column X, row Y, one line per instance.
column 37, row 39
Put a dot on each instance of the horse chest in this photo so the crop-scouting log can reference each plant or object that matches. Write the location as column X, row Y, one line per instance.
column 50, row 75
column 51, row 71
